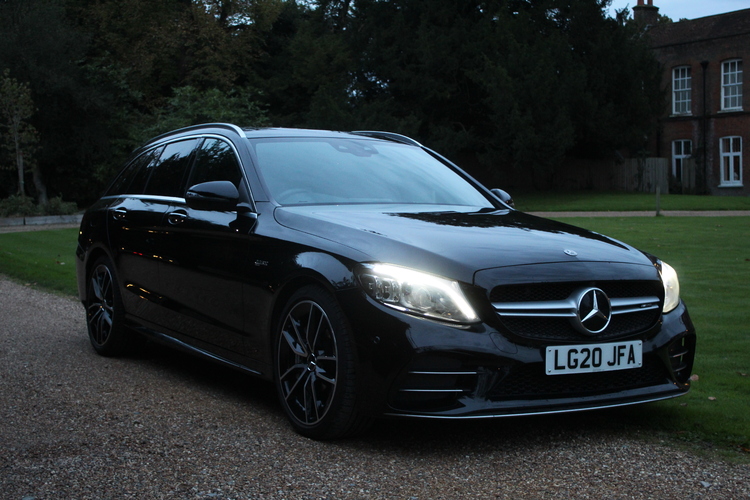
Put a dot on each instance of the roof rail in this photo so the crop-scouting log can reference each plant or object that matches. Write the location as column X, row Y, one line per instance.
column 233, row 128
column 389, row 136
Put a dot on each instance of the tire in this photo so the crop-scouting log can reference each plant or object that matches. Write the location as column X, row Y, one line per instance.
column 315, row 368
column 105, row 313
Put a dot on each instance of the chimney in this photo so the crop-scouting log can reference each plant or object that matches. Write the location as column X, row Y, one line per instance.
column 646, row 15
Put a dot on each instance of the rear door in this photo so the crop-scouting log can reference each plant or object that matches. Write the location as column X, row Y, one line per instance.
column 137, row 221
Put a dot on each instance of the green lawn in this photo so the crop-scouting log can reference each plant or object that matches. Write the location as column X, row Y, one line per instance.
column 711, row 255
column 579, row 201
column 42, row 258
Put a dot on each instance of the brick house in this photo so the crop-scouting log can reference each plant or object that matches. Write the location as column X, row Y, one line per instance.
column 708, row 120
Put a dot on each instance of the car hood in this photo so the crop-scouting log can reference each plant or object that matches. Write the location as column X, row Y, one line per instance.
column 455, row 242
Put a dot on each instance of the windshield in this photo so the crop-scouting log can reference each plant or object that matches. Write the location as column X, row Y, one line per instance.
column 340, row 171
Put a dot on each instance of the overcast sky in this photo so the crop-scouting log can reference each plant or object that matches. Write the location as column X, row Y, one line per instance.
column 687, row 9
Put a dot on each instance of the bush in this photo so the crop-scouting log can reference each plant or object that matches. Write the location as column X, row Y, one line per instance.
column 57, row 206
column 16, row 206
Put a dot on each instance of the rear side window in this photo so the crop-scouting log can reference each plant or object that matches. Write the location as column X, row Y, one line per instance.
column 136, row 169
column 168, row 174
column 215, row 161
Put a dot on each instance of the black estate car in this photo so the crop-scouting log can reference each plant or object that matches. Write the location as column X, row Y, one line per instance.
column 368, row 276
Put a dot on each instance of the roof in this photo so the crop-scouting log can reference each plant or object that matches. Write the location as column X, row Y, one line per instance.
column 701, row 29
column 277, row 132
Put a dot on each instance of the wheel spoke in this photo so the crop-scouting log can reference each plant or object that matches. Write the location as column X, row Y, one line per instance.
column 95, row 324
column 314, row 343
column 106, row 287
column 320, row 375
column 296, row 383
column 314, row 397
column 294, row 344
column 306, row 341
column 97, row 287
column 106, row 318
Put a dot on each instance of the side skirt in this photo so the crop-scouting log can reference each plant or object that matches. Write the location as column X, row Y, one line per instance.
column 189, row 349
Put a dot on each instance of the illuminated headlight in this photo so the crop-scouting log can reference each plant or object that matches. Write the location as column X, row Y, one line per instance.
column 417, row 293
column 671, row 287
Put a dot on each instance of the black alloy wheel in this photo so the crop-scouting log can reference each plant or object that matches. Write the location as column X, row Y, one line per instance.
column 315, row 367
column 104, row 310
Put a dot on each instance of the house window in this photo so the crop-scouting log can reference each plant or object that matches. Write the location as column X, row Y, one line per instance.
column 731, row 161
column 731, row 84
column 681, row 90
column 681, row 151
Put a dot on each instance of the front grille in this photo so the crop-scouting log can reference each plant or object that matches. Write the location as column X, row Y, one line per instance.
column 535, row 311
column 532, row 382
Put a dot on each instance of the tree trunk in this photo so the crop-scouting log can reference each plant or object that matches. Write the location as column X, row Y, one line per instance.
column 41, row 188
column 19, row 157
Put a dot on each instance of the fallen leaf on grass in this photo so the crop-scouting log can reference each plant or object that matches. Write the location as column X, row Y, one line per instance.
column 742, row 374
column 694, row 377
column 711, row 398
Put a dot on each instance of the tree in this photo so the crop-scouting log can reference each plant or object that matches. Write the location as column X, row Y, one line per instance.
column 190, row 106
column 503, row 85
column 16, row 107
column 40, row 46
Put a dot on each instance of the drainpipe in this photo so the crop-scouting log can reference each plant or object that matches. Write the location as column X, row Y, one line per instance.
column 704, row 124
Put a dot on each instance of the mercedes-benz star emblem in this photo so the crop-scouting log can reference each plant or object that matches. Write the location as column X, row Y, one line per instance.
column 593, row 313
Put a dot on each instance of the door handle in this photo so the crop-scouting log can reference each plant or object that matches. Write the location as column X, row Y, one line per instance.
column 177, row 217
column 120, row 214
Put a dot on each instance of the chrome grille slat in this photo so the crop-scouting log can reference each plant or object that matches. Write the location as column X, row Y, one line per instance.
column 549, row 311
column 567, row 308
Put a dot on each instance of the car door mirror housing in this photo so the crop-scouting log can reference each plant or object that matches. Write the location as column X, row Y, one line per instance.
column 504, row 197
column 215, row 195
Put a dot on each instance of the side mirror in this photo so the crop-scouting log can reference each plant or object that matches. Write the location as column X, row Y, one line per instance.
column 504, row 197
column 220, row 196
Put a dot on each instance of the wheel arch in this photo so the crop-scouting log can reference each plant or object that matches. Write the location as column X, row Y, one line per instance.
column 92, row 255
column 324, row 270
column 288, row 289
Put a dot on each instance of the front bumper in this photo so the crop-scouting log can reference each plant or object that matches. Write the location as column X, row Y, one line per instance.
column 439, row 371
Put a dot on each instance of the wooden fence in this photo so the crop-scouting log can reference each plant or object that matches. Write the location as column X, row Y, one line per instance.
column 641, row 175
column 633, row 175
column 688, row 176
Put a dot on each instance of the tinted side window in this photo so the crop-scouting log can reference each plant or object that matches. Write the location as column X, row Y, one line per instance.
column 169, row 172
column 141, row 176
column 136, row 168
column 215, row 161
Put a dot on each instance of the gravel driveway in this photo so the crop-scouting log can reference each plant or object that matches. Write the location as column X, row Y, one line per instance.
column 162, row 425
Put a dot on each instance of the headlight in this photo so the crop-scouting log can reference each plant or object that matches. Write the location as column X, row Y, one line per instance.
column 671, row 287
column 417, row 292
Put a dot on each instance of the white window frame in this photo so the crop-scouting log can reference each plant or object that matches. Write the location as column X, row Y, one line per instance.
column 731, row 85
column 682, row 92
column 730, row 148
column 682, row 149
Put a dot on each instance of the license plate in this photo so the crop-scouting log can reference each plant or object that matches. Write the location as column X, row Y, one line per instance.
column 589, row 358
